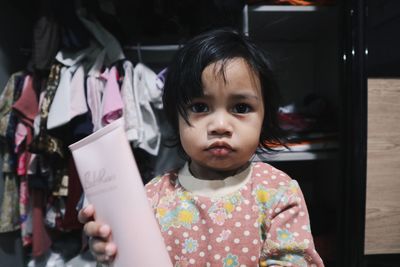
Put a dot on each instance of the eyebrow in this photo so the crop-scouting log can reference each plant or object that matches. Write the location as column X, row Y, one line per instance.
column 238, row 96
column 244, row 96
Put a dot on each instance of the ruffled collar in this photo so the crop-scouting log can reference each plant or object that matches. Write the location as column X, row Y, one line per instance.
column 213, row 188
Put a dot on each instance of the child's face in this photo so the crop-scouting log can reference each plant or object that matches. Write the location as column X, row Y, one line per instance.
column 225, row 123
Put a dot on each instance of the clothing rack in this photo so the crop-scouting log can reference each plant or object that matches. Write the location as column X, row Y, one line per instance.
column 154, row 47
column 165, row 50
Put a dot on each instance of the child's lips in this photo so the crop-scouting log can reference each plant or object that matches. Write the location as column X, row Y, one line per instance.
column 219, row 149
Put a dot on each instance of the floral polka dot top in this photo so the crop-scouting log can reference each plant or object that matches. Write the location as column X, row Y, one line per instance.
column 256, row 218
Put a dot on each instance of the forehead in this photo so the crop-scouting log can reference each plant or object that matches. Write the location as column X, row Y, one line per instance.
column 233, row 74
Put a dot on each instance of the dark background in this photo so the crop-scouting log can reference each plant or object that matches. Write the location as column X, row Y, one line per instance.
column 383, row 38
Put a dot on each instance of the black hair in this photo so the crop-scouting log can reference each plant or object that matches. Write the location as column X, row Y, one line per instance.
column 183, row 81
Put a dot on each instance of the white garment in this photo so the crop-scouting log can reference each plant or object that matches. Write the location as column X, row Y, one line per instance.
column 131, row 111
column 32, row 166
column 50, row 259
column 85, row 57
column 95, row 85
column 147, row 84
column 70, row 59
column 78, row 104
column 69, row 100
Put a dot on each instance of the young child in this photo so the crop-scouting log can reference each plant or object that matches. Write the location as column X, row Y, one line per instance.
column 221, row 209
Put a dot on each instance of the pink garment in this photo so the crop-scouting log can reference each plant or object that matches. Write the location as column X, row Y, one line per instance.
column 27, row 105
column 27, row 108
column 41, row 241
column 20, row 134
column 264, row 222
column 20, row 148
column 112, row 100
column 22, row 167
column 25, row 211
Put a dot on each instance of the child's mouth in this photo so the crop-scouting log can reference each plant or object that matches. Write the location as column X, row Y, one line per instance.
column 220, row 149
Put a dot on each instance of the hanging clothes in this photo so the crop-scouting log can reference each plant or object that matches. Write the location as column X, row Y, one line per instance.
column 103, row 37
column 10, row 163
column 9, row 203
column 148, row 88
column 131, row 109
column 17, row 91
column 112, row 104
column 6, row 101
column 95, row 84
column 69, row 100
column 46, row 42
column 9, row 120
column 26, row 108
column 41, row 238
column 42, row 142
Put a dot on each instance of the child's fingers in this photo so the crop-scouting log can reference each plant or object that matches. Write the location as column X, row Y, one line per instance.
column 103, row 251
column 98, row 230
column 86, row 214
column 111, row 249
column 97, row 246
column 99, row 235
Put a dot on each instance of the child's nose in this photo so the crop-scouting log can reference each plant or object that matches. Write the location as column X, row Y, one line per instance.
column 220, row 124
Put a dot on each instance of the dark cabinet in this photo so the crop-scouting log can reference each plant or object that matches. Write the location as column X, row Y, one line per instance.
column 319, row 51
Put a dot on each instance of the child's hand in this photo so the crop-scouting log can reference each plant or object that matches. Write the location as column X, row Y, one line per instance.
column 99, row 236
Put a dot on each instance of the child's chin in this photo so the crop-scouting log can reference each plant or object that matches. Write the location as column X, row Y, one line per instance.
column 230, row 168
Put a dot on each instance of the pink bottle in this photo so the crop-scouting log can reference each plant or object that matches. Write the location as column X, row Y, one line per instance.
column 112, row 183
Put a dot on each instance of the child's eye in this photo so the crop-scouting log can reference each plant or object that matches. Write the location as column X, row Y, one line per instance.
column 198, row 107
column 241, row 108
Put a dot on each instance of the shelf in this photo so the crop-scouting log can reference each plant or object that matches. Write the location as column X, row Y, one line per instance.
column 291, row 23
column 278, row 8
column 297, row 156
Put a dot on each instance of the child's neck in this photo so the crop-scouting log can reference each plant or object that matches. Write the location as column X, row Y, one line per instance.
column 213, row 174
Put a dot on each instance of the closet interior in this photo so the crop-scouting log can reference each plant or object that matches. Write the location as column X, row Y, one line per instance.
column 116, row 40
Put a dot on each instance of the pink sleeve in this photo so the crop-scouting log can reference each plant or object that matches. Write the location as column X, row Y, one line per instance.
column 289, row 241
column 112, row 100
